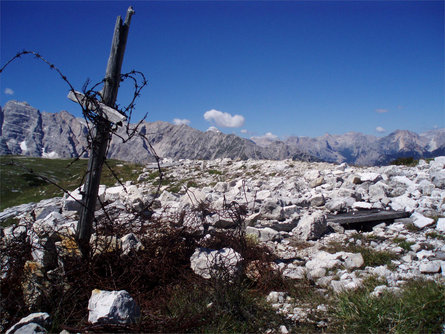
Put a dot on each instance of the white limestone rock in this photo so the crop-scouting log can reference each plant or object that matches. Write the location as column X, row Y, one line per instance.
column 378, row 191
column 221, row 187
column 345, row 285
column 316, row 273
column 130, row 243
column 430, row 267
column 272, row 209
column 362, row 206
column 263, row 194
column 112, row 307
column 317, row 200
column 370, row 177
column 33, row 323
column 113, row 193
column 420, row 221
column 207, row 262
column 438, row 179
column 403, row 203
column 339, row 203
column 353, row 260
column 323, row 259
column 268, row 234
column 440, row 224
column 276, row 297
column 311, row 226
column 381, row 289
column 72, row 201
column 311, row 175
column 294, row 272
column 31, row 328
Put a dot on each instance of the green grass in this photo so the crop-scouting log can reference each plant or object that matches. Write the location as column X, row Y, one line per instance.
column 412, row 228
column 371, row 257
column 9, row 222
column 409, row 161
column 214, row 172
column 222, row 309
column 435, row 235
column 401, row 242
column 418, row 309
column 367, row 238
column 20, row 181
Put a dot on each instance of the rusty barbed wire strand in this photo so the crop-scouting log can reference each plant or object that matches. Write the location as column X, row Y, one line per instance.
column 91, row 101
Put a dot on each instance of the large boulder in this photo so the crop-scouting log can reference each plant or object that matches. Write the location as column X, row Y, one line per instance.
column 112, row 307
column 311, row 226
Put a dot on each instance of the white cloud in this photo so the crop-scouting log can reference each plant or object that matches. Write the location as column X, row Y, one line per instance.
column 381, row 111
column 380, row 129
column 244, row 131
column 9, row 91
column 179, row 121
column 265, row 139
column 269, row 136
column 213, row 129
column 224, row 119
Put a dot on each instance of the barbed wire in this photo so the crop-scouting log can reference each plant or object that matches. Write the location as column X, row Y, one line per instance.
column 90, row 105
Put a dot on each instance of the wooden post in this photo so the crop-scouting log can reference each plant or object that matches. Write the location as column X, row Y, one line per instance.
column 102, row 133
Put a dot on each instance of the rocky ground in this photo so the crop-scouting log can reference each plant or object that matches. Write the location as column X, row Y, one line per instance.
column 289, row 206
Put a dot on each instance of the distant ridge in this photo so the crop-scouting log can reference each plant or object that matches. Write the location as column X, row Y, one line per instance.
column 25, row 130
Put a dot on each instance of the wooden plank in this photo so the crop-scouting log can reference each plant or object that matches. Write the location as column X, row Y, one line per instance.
column 104, row 111
column 372, row 216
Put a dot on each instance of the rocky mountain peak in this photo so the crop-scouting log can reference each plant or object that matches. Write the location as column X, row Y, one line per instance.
column 25, row 130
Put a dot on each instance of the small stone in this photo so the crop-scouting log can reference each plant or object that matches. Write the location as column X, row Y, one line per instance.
column 130, row 243
column 380, row 289
column 322, row 308
column 268, row 234
column 440, row 224
column 323, row 259
column 353, row 260
column 421, row 221
column 294, row 272
column 340, row 286
column 35, row 323
column 283, row 329
column 370, row 177
column 317, row 200
column 276, row 297
column 424, row 254
column 31, row 328
column 207, row 262
column 317, row 182
column 362, row 206
column 430, row 267
column 316, row 273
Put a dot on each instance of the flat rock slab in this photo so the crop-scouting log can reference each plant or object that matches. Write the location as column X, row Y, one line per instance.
column 368, row 216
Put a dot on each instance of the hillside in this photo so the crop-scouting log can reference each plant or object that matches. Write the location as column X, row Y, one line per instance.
column 236, row 246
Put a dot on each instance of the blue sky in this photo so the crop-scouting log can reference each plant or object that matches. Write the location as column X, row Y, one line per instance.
column 302, row 68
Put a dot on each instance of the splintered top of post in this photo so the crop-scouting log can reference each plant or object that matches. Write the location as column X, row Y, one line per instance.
column 113, row 72
column 130, row 12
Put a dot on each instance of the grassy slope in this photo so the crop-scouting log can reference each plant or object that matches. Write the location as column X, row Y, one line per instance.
column 19, row 185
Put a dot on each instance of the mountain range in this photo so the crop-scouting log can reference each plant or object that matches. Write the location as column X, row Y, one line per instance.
column 24, row 130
